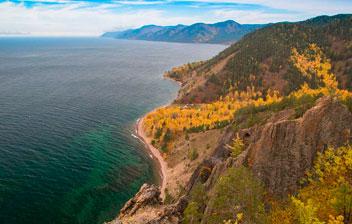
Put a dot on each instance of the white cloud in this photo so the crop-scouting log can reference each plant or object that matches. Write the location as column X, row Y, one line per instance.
column 139, row 2
column 317, row 7
column 313, row 7
column 82, row 18
column 77, row 19
column 257, row 16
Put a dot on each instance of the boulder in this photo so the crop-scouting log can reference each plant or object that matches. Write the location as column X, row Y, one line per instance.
column 148, row 195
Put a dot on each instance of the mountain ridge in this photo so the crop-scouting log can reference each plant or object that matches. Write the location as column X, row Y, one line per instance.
column 224, row 32
column 264, row 54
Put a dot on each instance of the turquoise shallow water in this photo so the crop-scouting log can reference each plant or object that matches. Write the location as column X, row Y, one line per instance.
column 68, row 107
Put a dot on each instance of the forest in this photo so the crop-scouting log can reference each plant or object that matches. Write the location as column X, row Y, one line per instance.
column 167, row 124
column 312, row 59
column 262, row 59
column 326, row 193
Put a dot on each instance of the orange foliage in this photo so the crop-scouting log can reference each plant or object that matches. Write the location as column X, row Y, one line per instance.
column 177, row 120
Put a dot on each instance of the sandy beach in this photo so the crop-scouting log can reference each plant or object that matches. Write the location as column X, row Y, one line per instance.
column 156, row 154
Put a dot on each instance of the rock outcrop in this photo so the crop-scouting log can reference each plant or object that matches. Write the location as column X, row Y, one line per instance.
column 278, row 153
column 146, row 208
column 146, row 196
column 281, row 152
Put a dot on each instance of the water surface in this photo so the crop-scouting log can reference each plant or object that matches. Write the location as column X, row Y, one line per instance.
column 67, row 111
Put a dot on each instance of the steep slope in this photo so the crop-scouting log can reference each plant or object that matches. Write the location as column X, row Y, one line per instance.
column 245, row 155
column 278, row 152
column 222, row 32
column 281, row 151
column 262, row 59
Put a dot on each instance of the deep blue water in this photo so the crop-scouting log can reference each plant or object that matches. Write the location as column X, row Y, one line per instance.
column 68, row 107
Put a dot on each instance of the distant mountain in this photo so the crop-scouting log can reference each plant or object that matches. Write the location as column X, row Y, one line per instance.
column 222, row 32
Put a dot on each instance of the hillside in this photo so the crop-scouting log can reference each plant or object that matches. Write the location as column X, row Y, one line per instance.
column 261, row 60
column 278, row 153
column 261, row 133
column 222, row 32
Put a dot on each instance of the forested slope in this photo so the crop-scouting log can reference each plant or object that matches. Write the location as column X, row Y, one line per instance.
column 261, row 60
column 261, row 133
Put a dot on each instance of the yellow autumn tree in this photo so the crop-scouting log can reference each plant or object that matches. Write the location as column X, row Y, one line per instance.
column 167, row 124
column 327, row 196
column 313, row 63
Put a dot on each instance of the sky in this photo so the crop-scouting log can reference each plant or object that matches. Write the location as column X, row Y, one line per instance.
column 94, row 17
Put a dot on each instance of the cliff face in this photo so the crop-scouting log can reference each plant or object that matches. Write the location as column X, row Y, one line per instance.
column 281, row 152
column 278, row 153
column 147, row 208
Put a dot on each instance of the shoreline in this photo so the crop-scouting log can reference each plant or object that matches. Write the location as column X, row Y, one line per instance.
column 157, row 156
column 168, row 78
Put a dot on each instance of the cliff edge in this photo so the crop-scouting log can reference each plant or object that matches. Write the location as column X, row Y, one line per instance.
column 278, row 152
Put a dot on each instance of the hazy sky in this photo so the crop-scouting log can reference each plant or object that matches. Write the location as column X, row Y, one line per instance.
column 93, row 17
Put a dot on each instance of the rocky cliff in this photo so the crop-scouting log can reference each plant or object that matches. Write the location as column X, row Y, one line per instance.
column 147, row 208
column 281, row 152
column 278, row 152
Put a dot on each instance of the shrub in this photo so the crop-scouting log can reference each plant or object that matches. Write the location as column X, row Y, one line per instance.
column 193, row 213
column 238, row 192
column 164, row 148
column 168, row 198
column 193, row 155
column 236, row 147
column 187, row 137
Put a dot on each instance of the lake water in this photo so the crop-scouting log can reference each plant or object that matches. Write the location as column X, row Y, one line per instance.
column 68, row 107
